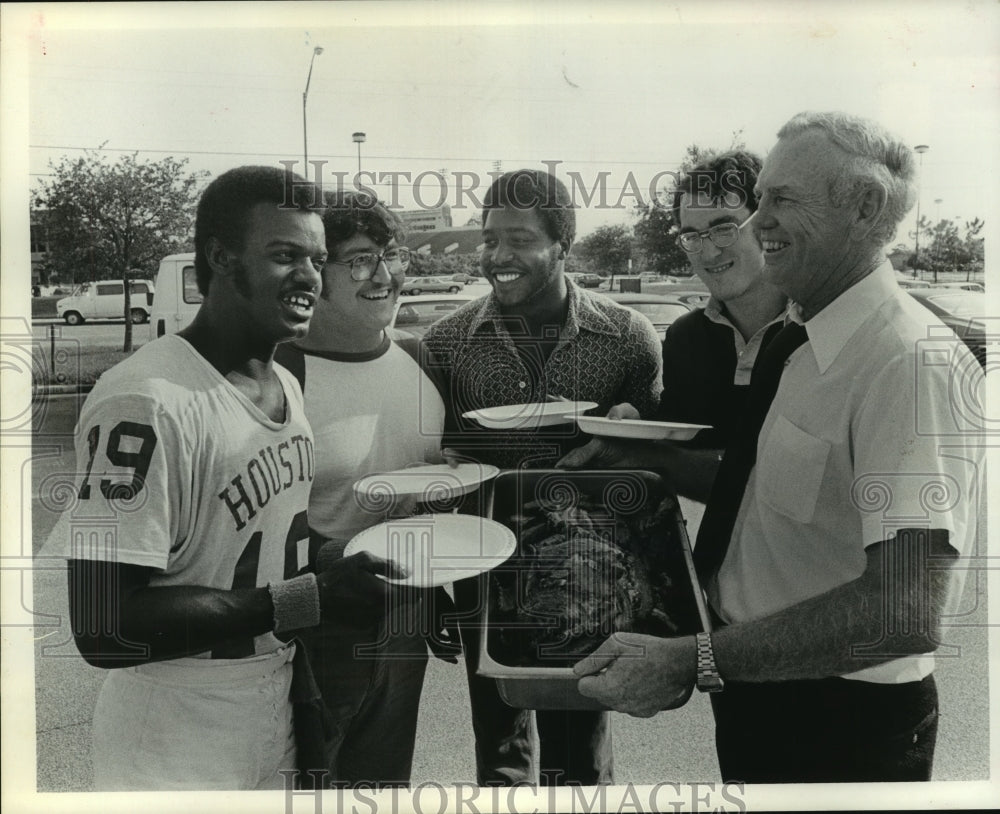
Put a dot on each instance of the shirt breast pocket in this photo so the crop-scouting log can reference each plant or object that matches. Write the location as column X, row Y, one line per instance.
column 790, row 470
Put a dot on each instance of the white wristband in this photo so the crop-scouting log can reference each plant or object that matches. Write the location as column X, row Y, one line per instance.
column 296, row 603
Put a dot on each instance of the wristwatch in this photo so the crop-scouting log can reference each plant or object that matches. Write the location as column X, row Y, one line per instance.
column 709, row 679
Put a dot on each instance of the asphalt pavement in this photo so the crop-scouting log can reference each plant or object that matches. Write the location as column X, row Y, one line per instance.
column 674, row 746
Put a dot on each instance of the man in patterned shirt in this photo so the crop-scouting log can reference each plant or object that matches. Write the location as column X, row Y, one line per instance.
column 536, row 336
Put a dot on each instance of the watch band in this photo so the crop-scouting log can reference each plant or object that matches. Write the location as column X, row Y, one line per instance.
column 709, row 679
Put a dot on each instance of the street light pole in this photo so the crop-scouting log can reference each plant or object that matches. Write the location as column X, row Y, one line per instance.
column 920, row 149
column 305, row 96
column 359, row 140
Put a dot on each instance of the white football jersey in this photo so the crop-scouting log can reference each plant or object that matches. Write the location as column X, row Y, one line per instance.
column 179, row 471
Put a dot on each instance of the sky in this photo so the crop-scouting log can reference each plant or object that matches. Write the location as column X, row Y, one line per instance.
column 612, row 92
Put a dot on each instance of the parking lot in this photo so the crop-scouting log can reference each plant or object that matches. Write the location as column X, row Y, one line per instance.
column 101, row 333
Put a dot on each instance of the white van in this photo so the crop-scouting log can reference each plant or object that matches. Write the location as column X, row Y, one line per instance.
column 177, row 296
column 105, row 299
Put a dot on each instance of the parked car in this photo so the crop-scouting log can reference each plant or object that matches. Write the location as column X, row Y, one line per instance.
column 962, row 311
column 417, row 313
column 587, row 280
column 693, row 299
column 105, row 299
column 467, row 279
column 423, row 285
column 660, row 309
column 964, row 286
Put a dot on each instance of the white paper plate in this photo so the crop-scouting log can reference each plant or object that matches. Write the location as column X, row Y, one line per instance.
column 644, row 430
column 529, row 416
column 436, row 549
column 426, row 483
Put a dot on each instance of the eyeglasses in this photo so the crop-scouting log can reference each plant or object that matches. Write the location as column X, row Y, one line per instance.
column 363, row 266
column 722, row 235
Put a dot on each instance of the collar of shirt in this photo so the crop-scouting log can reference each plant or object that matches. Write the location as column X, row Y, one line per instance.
column 830, row 329
column 714, row 312
column 582, row 315
column 746, row 350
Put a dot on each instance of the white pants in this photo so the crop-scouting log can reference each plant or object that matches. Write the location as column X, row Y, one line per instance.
column 198, row 724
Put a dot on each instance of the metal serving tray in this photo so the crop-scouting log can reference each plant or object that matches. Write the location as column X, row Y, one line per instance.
column 518, row 496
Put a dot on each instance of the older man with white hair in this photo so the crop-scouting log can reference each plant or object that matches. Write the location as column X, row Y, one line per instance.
column 830, row 541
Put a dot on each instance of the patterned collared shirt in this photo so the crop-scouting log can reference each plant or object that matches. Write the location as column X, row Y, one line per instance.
column 605, row 353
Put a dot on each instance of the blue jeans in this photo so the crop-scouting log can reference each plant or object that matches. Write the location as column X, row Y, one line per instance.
column 371, row 678
column 575, row 745
column 826, row 731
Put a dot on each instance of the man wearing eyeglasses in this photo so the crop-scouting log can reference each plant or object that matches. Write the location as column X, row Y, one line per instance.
column 708, row 354
column 372, row 410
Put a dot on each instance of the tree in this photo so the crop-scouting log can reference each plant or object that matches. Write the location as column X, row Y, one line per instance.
column 656, row 229
column 437, row 265
column 922, row 233
column 655, row 235
column 945, row 248
column 974, row 247
column 109, row 219
column 942, row 248
column 608, row 248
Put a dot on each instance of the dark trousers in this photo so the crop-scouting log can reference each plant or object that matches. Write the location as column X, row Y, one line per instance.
column 575, row 745
column 826, row 731
column 370, row 680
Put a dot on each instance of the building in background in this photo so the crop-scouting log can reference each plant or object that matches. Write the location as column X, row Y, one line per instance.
column 463, row 240
column 426, row 220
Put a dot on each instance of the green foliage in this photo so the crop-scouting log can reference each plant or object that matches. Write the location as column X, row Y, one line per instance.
column 655, row 234
column 441, row 265
column 608, row 249
column 576, row 265
column 108, row 220
column 942, row 248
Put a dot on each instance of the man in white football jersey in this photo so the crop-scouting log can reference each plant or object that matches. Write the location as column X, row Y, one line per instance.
column 189, row 531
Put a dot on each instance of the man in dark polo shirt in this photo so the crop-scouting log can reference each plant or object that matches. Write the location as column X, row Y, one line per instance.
column 534, row 337
column 708, row 354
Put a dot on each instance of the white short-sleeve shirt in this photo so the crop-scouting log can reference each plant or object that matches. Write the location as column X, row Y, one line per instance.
column 876, row 426
column 370, row 412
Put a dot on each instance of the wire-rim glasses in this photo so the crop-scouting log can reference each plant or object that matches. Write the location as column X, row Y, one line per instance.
column 363, row 265
column 722, row 235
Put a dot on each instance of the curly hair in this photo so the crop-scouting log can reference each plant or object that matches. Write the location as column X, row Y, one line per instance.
column 539, row 191
column 225, row 205
column 351, row 213
column 730, row 172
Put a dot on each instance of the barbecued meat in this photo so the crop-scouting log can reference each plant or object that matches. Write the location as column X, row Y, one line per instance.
column 581, row 574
